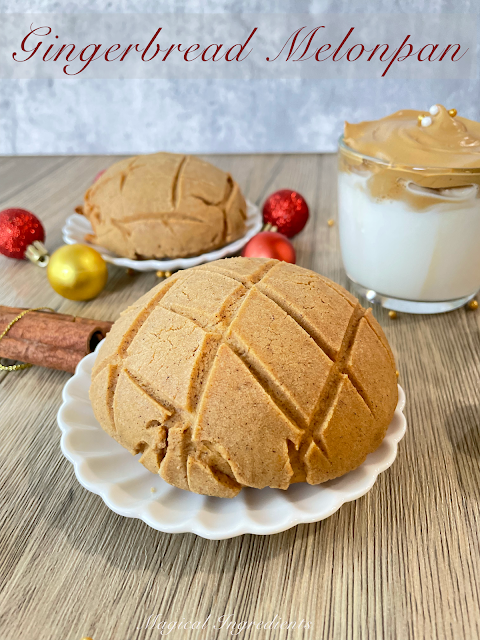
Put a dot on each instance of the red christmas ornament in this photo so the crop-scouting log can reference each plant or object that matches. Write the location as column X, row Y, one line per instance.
column 287, row 210
column 19, row 228
column 269, row 244
column 99, row 175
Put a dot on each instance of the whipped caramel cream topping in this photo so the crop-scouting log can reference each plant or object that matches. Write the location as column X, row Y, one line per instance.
column 427, row 159
column 426, row 139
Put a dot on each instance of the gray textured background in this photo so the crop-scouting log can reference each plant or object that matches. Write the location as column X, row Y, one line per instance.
column 81, row 116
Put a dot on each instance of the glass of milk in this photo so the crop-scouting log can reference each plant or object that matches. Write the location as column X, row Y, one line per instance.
column 417, row 252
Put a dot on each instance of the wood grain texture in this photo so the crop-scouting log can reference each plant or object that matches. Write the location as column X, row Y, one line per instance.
column 401, row 562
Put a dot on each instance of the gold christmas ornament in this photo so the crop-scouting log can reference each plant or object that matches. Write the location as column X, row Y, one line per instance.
column 77, row 272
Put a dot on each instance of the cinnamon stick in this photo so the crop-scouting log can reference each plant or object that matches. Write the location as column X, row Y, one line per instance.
column 46, row 339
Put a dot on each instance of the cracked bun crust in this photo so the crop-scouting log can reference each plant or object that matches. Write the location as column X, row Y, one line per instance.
column 246, row 372
column 164, row 205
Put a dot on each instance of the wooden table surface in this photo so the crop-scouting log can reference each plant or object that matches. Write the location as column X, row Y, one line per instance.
column 401, row 562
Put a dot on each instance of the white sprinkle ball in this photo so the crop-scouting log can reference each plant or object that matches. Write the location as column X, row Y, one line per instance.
column 426, row 122
column 434, row 110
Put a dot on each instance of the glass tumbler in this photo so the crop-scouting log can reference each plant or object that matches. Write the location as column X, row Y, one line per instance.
column 409, row 236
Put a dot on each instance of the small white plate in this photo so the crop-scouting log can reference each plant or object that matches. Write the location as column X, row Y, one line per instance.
column 77, row 227
column 107, row 469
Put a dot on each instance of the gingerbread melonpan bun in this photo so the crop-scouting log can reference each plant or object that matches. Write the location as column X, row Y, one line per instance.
column 164, row 205
column 246, row 372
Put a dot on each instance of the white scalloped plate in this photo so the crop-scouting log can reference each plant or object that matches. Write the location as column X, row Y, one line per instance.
column 107, row 469
column 77, row 227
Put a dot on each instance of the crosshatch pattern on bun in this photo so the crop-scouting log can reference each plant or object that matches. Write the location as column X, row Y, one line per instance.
column 246, row 372
column 164, row 205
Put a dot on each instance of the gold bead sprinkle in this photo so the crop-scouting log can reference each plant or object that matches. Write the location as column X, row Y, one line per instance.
column 160, row 274
column 421, row 116
column 397, row 373
column 330, row 222
column 130, row 271
column 168, row 274
column 452, row 112
column 392, row 314
column 472, row 305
